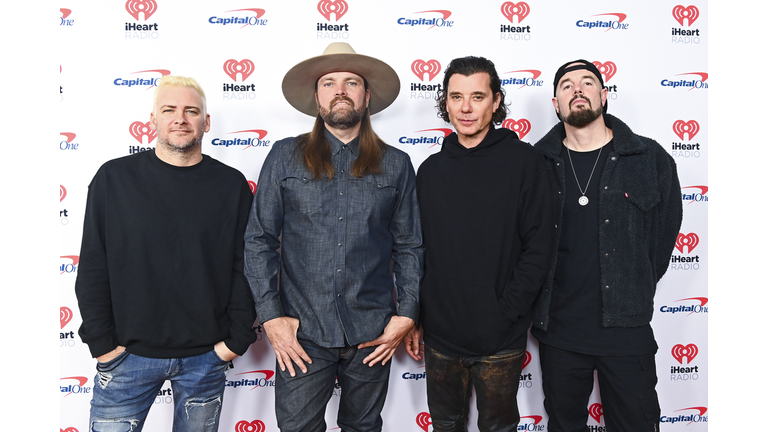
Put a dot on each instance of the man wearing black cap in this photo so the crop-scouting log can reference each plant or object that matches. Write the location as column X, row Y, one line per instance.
column 340, row 205
column 618, row 213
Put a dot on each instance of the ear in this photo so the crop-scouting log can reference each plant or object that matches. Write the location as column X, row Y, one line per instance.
column 152, row 121
column 604, row 96
column 496, row 101
column 207, row 122
column 367, row 97
column 556, row 105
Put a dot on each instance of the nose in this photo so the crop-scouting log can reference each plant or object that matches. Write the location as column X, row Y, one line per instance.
column 180, row 117
column 466, row 106
column 340, row 90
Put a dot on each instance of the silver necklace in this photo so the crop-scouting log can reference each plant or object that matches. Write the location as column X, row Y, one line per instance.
column 583, row 200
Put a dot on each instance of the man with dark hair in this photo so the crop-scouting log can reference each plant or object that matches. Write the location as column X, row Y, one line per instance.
column 618, row 210
column 486, row 216
column 341, row 205
column 160, row 285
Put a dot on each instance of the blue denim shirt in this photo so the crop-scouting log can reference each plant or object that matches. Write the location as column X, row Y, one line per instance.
column 339, row 237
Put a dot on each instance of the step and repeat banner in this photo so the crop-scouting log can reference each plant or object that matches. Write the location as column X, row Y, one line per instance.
column 653, row 57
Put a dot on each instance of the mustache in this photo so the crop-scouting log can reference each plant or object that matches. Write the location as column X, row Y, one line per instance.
column 579, row 96
column 342, row 98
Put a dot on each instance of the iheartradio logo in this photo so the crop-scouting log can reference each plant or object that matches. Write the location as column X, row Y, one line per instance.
column 254, row 426
column 424, row 420
column 607, row 69
column 62, row 193
column 596, row 411
column 687, row 240
column 328, row 7
column 687, row 352
column 527, row 359
column 429, row 67
column 243, row 67
column 681, row 13
column 519, row 10
column 252, row 185
column 65, row 315
column 136, row 7
column 522, row 127
column 69, row 429
column 140, row 130
column 691, row 127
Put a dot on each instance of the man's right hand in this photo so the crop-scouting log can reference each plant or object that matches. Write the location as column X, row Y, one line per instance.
column 282, row 335
column 110, row 355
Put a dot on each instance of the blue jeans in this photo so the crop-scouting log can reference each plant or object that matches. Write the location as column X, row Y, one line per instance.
column 495, row 379
column 300, row 401
column 125, row 388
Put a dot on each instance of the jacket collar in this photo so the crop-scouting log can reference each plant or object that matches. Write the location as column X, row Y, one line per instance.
column 625, row 142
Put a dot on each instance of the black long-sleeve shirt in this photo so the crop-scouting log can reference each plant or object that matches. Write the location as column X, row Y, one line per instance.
column 161, row 262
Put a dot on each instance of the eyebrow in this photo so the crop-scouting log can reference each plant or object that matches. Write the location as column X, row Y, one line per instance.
column 175, row 106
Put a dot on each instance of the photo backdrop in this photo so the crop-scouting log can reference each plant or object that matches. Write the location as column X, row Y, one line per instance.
column 653, row 57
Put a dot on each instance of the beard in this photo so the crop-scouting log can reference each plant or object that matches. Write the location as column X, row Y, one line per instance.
column 344, row 118
column 183, row 148
column 581, row 117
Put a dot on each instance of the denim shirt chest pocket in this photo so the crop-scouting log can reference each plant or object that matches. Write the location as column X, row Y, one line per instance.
column 306, row 194
column 373, row 196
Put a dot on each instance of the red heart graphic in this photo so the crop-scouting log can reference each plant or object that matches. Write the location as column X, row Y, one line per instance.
column 681, row 128
column 327, row 7
column 681, row 13
column 608, row 69
column 519, row 9
column 689, row 352
column 596, row 411
column 244, row 67
column 139, row 130
column 686, row 240
column 423, row 419
column 430, row 67
column 254, row 426
column 65, row 315
column 135, row 7
column 522, row 126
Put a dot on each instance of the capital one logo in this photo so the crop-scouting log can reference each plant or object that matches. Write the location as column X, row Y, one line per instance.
column 69, row 267
column 136, row 7
column 607, row 69
column 243, row 67
column 254, row 426
column 596, row 411
column 140, row 130
column 681, row 13
column 689, row 241
column 424, row 420
column 65, row 13
column 429, row 67
column 336, row 7
column 687, row 352
column 62, row 193
column 519, row 10
column 699, row 194
column 522, row 126
column 531, row 426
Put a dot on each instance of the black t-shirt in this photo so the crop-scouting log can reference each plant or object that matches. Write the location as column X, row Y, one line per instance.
column 577, row 304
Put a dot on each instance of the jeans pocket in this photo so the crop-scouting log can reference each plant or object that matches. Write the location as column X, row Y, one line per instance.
column 221, row 361
column 112, row 364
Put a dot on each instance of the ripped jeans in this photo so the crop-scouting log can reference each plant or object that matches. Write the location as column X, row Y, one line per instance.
column 126, row 387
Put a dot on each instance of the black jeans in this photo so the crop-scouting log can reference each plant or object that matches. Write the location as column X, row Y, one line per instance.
column 495, row 379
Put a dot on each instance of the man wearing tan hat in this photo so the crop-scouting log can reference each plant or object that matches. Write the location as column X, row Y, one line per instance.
column 341, row 206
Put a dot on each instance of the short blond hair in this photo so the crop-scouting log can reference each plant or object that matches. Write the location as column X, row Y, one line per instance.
column 174, row 80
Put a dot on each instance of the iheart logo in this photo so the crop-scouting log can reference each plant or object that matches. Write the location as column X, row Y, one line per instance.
column 681, row 128
column 423, row 419
column 65, row 13
column 682, row 13
column 139, row 130
column 527, row 359
column 522, row 126
column 519, row 9
column 689, row 352
column 244, row 67
column 686, row 240
column 62, row 193
column 69, row 429
column 252, row 185
column 327, row 7
column 254, row 426
column 608, row 69
column 135, row 7
column 596, row 411
column 429, row 67
column 65, row 315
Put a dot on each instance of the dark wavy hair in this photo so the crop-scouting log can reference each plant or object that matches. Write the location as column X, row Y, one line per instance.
column 468, row 66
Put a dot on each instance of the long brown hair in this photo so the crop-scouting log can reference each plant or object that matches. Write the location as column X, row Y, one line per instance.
column 315, row 150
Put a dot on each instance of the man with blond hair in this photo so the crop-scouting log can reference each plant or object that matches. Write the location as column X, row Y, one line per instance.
column 160, row 285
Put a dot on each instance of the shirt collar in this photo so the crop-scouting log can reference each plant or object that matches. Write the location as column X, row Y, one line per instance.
column 336, row 143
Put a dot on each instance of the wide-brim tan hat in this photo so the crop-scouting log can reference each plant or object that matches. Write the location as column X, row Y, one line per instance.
column 299, row 82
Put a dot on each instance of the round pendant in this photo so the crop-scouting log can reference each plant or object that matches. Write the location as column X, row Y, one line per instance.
column 583, row 200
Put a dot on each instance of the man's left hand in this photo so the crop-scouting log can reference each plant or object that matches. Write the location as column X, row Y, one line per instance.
column 223, row 352
column 387, row 343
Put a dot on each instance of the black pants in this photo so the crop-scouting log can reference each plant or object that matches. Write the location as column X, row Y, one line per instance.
column 627, row 390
